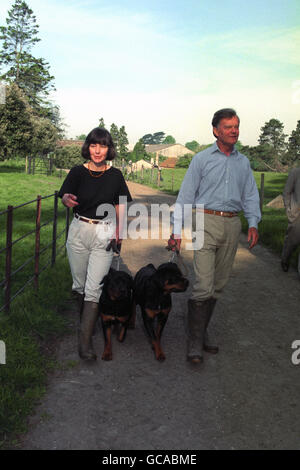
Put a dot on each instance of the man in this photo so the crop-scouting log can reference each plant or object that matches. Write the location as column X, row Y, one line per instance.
column 219, row 178
column 291, row 199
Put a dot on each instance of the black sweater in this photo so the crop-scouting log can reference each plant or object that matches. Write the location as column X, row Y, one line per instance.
column 91, row 192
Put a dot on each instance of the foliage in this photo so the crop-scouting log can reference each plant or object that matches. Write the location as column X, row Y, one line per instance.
column 169, row 140
column 184, row 161
column 123, row 143
column 29, row 73
column 81, row 137
column 293, row 153
column 45, row 136
column 194, row 146
column 101, row 123
column 16, row 124
column 153, row 139
column 22, row 132
column 138, row 152
column 68, row 156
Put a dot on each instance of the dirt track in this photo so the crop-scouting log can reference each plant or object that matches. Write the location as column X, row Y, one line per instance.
column 246, row 397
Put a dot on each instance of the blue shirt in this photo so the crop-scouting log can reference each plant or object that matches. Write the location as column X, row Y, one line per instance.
column 221, row 183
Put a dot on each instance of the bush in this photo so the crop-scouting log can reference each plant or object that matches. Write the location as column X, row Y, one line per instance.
column 183, row 162
column 68, row 156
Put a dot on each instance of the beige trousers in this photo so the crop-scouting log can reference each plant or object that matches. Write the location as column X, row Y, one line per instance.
column 213, row 262
column 88, row 258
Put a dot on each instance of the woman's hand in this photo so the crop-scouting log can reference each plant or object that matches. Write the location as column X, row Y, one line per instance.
column 115, row 244
column 69, row 200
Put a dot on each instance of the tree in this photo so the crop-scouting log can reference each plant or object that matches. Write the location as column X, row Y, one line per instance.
column 81, row 137
column 272, row 135
column 123, row 142
column 184, row 161
column 153, row 139
column 194, row 146
column 169, row 140
column 114, row 132
column 29, row 73
column 16, row 124
column 101, row 123
column 293, row 153
column 45, row 136
column 138, row 152
column 68, row 156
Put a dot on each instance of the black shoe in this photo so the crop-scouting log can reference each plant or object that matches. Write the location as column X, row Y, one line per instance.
column 285, row 266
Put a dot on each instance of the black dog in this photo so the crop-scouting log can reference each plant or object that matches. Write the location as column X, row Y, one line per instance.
column 152, row 291
column 115, row 306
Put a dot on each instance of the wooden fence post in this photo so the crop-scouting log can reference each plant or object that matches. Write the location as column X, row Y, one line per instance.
column 54, row 232
column 9, row 226
column 262, row 191
column 158, row 177
column 67, row 223
column 37, row 242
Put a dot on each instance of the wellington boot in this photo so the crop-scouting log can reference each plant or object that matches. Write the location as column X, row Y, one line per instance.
column 78, row 299
column 88, row 319
column 208, row 346
column 198, row 312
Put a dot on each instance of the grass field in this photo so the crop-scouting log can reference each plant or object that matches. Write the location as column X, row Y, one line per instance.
column 35, row 317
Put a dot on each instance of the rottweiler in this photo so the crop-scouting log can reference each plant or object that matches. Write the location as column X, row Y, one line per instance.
column 152, row 292
column 115, row 307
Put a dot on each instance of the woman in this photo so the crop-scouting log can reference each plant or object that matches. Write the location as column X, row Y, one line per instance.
column 93, row 190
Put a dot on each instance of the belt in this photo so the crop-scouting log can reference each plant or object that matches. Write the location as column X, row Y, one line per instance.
column 221, row 213
column 92, row 221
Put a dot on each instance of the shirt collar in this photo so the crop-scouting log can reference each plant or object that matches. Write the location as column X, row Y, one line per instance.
column 215, row 148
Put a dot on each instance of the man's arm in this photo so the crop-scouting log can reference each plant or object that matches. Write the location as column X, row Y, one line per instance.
column 251, row 208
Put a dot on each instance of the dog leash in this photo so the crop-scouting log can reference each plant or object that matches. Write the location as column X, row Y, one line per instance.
column 117, row 257
column 180, row 261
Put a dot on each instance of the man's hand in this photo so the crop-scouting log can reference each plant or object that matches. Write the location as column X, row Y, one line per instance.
column 69, row 200
column 174, row 243
column 252, row 237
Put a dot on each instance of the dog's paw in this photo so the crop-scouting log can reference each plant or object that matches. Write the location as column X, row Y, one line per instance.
column 106, row 356
column 161, row 357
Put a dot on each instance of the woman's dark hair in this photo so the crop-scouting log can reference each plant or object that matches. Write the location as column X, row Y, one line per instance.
column 101, row 136
column 227, row 113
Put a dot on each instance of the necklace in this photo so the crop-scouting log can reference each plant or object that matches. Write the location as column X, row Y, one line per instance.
column 101, row 173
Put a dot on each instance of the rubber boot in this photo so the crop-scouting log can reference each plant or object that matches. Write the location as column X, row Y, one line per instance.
column 88, row 319
column 78, row 299
column 208, row 346
column 198, row 312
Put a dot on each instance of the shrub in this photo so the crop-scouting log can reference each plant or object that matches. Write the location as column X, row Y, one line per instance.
column 68, row 156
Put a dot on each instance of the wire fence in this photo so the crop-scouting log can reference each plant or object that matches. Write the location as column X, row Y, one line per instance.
column 30, row 243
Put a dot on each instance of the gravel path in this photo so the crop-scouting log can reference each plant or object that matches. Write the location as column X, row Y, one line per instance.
column 246, row 397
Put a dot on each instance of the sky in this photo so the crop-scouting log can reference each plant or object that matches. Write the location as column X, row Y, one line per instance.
column 168, row 65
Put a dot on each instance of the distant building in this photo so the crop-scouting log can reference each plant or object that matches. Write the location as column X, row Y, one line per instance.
column 63, row 143
column 171, row 151
column 168, row 150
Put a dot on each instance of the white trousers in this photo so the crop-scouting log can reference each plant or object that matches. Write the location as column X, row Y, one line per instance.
column 88, row 258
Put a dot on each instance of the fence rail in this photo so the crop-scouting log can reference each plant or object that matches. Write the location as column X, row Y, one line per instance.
column 10, row 243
